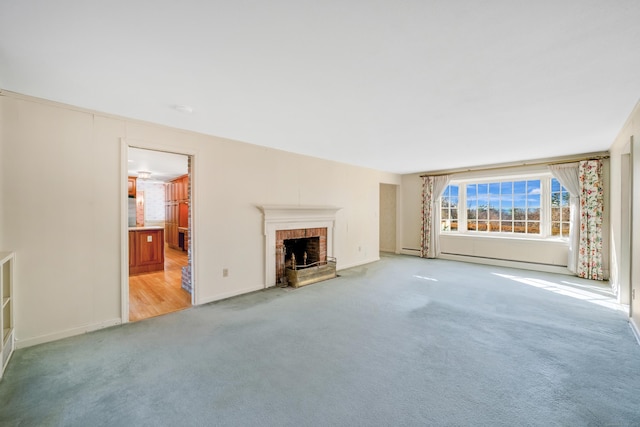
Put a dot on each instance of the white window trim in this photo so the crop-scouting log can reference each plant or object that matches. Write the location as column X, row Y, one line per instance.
column 545, row 208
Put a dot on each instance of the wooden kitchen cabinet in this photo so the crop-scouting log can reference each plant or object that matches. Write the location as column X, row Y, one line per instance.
column 146, row 250
column 131, row 181
column 132, row 251
column 177, row 211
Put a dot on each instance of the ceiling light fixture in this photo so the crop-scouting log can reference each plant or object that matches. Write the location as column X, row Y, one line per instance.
column 144, row 175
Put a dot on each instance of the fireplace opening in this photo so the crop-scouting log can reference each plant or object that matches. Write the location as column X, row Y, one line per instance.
column 308, row 247
column 302, row 252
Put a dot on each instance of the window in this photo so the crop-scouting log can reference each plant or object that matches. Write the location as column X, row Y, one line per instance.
column 560, row 209
column 536, row 206
column 449, row 208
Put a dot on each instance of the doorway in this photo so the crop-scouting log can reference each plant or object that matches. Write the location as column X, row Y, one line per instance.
column 159, row 227
column 388, row 203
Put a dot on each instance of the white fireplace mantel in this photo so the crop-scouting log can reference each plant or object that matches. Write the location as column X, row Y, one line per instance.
column 297, row 213
column 291, row 217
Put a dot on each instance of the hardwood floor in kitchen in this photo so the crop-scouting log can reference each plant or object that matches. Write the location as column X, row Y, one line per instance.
column 157, row 293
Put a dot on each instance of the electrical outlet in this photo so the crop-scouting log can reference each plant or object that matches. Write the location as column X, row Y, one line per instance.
column 149, row 238
column 225, row 272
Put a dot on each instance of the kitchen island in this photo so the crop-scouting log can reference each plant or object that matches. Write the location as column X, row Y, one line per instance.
column 146, row 249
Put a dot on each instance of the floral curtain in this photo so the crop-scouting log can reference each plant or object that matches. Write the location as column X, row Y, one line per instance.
column 569, row 176
column 591, row 210
column 432, row 188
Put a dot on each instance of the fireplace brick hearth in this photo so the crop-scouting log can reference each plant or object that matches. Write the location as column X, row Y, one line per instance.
column 300, row 233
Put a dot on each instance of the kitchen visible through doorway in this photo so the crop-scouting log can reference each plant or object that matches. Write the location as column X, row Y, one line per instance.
column 159, row 220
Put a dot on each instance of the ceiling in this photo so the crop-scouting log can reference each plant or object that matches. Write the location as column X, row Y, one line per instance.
column 396, row 85
column 163, row 166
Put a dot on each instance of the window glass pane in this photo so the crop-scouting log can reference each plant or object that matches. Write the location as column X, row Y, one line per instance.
column 494, row 213
column 555, row 199
column 453, row 201
column 453, row 214
column 506, row 187
column 533, row 186
column 555, row 185
column 494, row 188
column 555, row 228
column 472, row 191
column 565, row 229
column 471, row 225
column 507, row 214
column 494, row 225
column 471, row 214
column 520, row 187
column 454, row 190
column 566, row 214
column 519, row 227
column 519, row 214
column 482, row 226
column 533, row 227
column 566, row 198
column 533, row 213
column 555, row 214
column 506, row 226
column 454, row 225
column 483, row 189
column 482, row 212
column 494, row 202
column 520, row 201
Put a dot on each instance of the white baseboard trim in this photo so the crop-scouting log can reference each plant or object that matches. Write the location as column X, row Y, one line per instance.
column 635, row 329
column 357, row 264
column 28, row 342
column 409, row 251
column 506, row 263
column 235, row 293
column 219, row 297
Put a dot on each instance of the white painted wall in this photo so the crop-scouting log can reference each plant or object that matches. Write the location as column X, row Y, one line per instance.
column 62, row 198
column 545, row 252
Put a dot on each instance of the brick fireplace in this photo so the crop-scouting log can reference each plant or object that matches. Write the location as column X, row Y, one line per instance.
column 301, row 241
column 286, row 223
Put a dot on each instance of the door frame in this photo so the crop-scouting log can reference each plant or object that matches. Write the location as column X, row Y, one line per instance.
column 125, row 143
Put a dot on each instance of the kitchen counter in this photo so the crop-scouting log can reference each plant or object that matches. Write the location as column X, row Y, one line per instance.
column 146, row 249
column 150, row 227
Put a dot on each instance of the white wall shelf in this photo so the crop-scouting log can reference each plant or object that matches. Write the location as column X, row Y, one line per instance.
column 7, row 326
